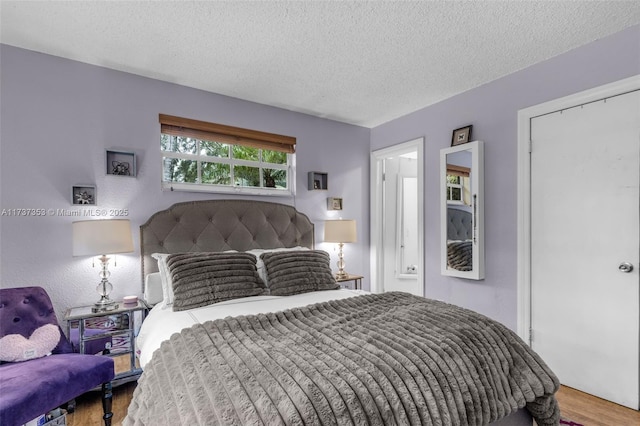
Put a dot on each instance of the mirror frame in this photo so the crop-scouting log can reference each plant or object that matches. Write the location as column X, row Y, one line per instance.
column 477, row 192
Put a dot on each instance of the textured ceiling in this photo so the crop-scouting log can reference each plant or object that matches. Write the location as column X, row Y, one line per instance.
column 362, row 62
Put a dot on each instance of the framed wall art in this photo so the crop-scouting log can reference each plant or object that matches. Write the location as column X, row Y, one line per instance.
column 318, row 180
column 84, row 195
column 334, row 203
column 121, row 163
column 461, row 135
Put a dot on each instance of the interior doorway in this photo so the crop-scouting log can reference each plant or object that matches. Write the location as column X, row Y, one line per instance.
column 397, row 220
column 582, row 226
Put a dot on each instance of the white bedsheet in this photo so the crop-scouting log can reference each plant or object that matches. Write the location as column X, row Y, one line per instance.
column 162, row 321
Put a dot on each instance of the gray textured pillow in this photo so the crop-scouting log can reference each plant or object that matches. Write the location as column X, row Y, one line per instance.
column 200, row 279
column 294, row 272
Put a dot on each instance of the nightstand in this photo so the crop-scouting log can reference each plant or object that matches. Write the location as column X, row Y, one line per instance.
column 357, row 280
column 114, row 331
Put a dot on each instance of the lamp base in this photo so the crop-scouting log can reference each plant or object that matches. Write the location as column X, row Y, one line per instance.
column 103, row 288
column 104, row 304
column 341, row 275
column 95, row 308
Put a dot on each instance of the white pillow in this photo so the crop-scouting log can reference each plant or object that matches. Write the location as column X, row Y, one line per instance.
column 165, row 276
column 262, row 272
column 153, row 293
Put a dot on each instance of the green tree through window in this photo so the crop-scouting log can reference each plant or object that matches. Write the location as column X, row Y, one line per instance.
column 217, row 164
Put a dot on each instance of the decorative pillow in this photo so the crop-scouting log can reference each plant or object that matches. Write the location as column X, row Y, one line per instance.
column 167, row 287
column 201, row 279
column 153, row 291
column 16, row 347
column 165, row 276
column 260, row 264
column 294, row 272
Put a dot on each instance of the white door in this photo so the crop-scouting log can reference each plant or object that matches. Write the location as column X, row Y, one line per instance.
column 585, row 174
column 397, row 236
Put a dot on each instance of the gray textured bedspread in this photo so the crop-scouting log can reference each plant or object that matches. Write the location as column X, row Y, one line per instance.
column 460, row 255
column 379, row 359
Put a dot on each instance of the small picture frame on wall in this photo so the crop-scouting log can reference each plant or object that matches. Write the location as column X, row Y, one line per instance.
column 121, row 163
column 84, row 195
column 334, row 203
column 461, row 135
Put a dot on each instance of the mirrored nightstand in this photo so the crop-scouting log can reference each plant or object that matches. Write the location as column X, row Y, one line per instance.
column 111, row 333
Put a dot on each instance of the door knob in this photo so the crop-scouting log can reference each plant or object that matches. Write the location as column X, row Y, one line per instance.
column 625, row 267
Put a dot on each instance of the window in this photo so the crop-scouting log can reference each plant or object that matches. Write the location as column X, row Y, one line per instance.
column 454, row 189
column 201, row 156
column 457, row 184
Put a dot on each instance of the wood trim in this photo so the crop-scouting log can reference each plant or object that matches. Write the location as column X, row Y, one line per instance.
column 179, row 126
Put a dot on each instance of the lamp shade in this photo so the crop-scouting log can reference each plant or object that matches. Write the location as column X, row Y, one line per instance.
column 98, row 237
column 340, row 231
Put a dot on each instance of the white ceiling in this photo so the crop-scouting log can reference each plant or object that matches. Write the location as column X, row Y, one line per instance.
column 362, row 62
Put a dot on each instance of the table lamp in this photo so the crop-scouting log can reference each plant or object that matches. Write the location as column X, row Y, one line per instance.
column 340, row 231
column 101, row 238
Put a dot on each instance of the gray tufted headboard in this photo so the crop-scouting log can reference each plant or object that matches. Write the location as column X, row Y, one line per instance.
column 459, row 223
column 219, row 225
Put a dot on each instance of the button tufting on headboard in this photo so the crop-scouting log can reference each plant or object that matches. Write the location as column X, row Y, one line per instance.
column 220, row 225
column 459, row 224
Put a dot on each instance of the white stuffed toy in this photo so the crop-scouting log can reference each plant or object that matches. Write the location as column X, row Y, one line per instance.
column 16, row 347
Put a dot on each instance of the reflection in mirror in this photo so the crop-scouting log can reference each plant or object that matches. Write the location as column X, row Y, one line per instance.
column 459, row 212
column 461, row 180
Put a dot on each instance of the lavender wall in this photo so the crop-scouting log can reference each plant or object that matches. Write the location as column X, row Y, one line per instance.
column 59, row 116
column 492, row 109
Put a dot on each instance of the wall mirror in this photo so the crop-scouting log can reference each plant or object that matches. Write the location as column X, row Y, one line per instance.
column 462, row 210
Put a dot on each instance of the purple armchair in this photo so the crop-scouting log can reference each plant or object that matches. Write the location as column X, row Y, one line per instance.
column 36, row 386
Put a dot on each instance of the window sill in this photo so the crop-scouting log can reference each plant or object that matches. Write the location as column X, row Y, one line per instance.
column 219, row 189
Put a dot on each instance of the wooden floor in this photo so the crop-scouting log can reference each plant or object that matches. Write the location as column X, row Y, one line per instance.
column 588, row 410
column 574, row 405
column 89, row 407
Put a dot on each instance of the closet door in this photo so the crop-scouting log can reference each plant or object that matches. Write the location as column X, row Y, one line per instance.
column 585, row 174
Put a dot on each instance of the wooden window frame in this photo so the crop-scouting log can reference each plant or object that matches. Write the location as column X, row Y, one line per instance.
column 178, row 126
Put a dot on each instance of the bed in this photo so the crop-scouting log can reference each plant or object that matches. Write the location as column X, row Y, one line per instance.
column 300, row 350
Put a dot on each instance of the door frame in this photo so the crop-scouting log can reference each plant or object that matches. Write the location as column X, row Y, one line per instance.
column 524, row 183
column 377, row 205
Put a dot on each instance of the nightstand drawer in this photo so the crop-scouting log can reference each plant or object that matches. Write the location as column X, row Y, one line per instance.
column 114, row 322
